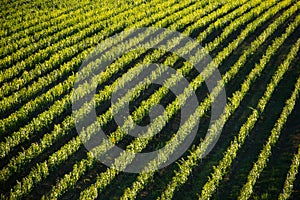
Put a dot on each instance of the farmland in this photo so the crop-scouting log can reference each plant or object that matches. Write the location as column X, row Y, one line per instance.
column 246, row 120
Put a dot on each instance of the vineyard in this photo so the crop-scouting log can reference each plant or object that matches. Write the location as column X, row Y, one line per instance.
column 249, row 149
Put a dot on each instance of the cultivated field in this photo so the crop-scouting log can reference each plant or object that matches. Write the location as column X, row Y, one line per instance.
column 251, row 150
